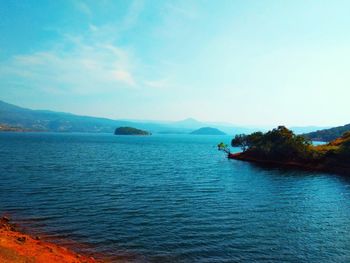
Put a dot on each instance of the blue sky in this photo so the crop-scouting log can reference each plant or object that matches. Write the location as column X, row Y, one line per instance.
column 243, row 62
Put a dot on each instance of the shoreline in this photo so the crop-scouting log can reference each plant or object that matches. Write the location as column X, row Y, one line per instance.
column 16, row 246
column 241, row 156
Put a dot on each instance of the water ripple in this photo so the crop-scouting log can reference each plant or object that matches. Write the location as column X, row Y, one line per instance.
column 171, row 199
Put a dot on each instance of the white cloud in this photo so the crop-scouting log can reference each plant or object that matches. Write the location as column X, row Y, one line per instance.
column 88, row 63
column 124, row 76
column 74, row 66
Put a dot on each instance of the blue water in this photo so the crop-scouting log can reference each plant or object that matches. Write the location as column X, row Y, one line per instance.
column 171, row 199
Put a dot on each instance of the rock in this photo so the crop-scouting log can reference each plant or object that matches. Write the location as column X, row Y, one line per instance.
column 5, row 219
column 21, row 239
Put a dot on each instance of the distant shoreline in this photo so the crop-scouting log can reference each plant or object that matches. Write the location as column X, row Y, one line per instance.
column 6, row 128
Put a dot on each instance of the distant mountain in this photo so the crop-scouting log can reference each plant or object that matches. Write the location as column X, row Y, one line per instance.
column 307, row 129
column 44, row 120
column 188, row 123
column 208, row 131
column 130, row 131
column 327, row 135
column 193, row 124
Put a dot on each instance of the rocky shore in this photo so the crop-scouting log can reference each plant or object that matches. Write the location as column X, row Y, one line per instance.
column 16, row 247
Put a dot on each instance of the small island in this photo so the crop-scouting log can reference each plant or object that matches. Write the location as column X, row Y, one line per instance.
column 208, row 131
column 130, row 131
column 281, row 147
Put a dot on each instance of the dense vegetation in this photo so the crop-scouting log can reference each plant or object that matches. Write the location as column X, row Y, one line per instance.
column 282, row 145
column 130, row 131
column 327, row 135
column 279, row 143
column 208, row 131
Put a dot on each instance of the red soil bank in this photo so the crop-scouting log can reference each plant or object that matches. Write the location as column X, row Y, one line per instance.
column 16, row 247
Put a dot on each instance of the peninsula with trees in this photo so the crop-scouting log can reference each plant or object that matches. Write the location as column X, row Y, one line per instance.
column 281, row 147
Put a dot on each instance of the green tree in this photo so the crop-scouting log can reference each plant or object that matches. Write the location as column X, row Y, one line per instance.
column 240, row 140
column 223, row 147
column 280, row 143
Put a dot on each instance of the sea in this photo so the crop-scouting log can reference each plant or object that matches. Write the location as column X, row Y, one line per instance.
column 170, row 198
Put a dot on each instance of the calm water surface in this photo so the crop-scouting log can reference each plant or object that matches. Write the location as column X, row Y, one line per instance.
column 171, row 199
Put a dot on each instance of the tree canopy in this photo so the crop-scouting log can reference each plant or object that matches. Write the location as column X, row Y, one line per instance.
column 282, row 144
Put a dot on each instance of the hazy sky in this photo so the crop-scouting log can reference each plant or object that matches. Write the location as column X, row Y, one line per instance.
column 244, row 62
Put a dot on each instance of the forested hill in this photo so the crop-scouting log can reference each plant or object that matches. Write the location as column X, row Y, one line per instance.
column 43, row 120
column 327, row 135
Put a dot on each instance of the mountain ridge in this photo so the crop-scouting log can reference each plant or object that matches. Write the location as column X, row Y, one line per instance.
column 47, row 120
column 328, row 134
column 207, row 131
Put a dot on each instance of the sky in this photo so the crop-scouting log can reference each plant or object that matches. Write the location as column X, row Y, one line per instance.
column 241, row 62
